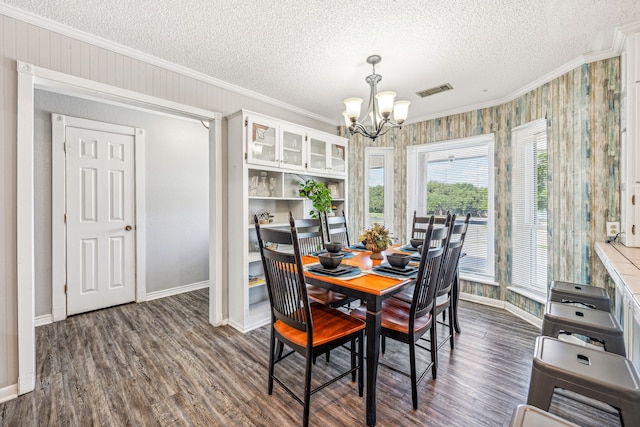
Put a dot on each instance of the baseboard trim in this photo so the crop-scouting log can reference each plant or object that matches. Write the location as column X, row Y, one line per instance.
column 482, row 300
column 527, row 317
column 8, row 393
column 177, row 290
column 45, row 319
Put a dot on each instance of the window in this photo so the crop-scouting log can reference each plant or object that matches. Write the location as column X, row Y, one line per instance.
column 378, row 186
column 529, row 207
column 457, row 176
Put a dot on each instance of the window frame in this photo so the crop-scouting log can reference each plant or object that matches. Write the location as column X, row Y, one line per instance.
column 526, row 134
column 416, row 193
column 389, row 208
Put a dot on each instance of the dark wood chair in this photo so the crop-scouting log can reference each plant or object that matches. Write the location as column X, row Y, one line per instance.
column 311, row 240
column 309, row 329
column 419, row 226
column 408, row 322
column 337, row 230
column 446, row 299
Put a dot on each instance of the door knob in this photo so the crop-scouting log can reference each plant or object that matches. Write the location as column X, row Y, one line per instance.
column 128, row 228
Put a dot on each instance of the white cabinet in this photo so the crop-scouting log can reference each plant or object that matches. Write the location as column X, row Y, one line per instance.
column 327, row 154
column 267, row 161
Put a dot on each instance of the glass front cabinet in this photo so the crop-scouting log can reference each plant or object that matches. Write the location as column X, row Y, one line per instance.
column 268, row 159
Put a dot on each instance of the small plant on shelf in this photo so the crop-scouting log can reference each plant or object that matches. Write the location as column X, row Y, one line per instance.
column 319, row 194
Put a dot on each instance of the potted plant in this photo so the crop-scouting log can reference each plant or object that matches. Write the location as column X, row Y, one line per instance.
column 319, row 194
column 376, row 239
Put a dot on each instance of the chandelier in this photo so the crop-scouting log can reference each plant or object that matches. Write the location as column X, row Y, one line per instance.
column 377, row 120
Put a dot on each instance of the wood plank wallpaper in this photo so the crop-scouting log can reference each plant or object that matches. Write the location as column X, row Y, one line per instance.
column 583, row 130
column 21, row 41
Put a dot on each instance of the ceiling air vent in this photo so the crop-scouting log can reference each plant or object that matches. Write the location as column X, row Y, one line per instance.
column 434, row 90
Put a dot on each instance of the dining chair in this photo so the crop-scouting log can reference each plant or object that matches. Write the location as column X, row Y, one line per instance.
column 311, row 240
column 408, row 322
column 445, row 297
column 309, row 329
column 419, row 226
column 336, row 227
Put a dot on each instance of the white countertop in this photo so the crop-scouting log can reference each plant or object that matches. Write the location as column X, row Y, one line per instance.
column 623, row 264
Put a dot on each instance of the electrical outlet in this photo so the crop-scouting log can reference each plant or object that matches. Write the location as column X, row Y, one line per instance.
column 613, row 228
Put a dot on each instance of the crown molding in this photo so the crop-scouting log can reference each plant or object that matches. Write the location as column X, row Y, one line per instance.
column 619, row 38
column 615, row 50
column 65, row 30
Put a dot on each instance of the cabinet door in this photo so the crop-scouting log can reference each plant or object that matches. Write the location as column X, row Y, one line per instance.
column 293, row 151
column 318, row 154
column 263, row 141
column 338, row 157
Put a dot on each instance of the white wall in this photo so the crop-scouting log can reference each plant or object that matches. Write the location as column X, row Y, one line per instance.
column 177, row 193
column 75, row 54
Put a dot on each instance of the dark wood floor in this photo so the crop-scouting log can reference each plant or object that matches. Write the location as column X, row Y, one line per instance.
column 161, row 363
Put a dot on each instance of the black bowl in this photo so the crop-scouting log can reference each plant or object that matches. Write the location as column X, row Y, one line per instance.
column 416, row 242
column 398, row 260
column 330, row 260
column 333, row 247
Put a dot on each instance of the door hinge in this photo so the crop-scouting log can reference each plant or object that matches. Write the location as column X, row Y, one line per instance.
column 245, row 156
column 65, row 218
column 65, row 288
column 306, row 138
column 65, row 146
column 633, row 229
column 633, row 199
column 246, row 122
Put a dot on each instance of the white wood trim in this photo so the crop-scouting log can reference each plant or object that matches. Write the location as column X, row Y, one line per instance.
column 177, row 290
column 25, row 231
column 527, row 317
column 50, row 25
column 482, row 300
column 58, row 226
column 215, row 222
column 9, row 392
column 141, row 214
column 45, row 319
column 70, row 85
column 528, row 293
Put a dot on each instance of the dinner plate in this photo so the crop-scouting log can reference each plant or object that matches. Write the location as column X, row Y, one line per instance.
column 408, row 248
column 341, row 269
column 391, row 269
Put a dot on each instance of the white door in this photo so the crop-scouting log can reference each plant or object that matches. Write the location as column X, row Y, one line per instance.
column 100, row 219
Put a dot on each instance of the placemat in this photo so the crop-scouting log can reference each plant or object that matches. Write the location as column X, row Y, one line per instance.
column 345, row 254
column 380, row 272
column 407, row 248
column 355, row 271
column 359, row 247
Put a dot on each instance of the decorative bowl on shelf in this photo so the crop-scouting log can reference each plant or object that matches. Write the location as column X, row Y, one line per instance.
column 330, row 260
column 398, row 260
column 333, row 247
column 264, row 217
column 416, row 242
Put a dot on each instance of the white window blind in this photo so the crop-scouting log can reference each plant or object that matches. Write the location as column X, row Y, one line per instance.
column 457, row 177
column 529, row 207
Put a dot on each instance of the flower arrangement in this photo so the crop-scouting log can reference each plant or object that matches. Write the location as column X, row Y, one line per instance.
column 377, row 235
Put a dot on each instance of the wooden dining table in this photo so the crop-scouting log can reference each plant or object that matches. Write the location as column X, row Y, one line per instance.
column 372, row 289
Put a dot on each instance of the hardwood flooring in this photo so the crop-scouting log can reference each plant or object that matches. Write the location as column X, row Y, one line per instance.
column 161, row 363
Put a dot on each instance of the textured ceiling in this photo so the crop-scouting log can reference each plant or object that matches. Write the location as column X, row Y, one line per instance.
column 312, row 53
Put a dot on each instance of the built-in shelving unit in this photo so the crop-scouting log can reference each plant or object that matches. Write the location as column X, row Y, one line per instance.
column 268, row 159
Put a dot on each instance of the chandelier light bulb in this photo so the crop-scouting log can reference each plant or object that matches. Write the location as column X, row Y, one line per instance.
column 385, row 103
column 400, row 111
column 353, row 108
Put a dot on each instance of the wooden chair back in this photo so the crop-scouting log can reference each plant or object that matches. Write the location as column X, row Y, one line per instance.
column 337, row 229
column 284, row 275
column 310, row 236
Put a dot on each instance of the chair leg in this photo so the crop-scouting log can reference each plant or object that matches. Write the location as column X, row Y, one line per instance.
column 353, row 359
column 383, row 344
column 451, row 327
column 307, row 389
column 280, row 350
column 326, row 356
column 272, row 343
column 455, row 295
column 414, row 376
column 433, row 345
column 361, row 363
